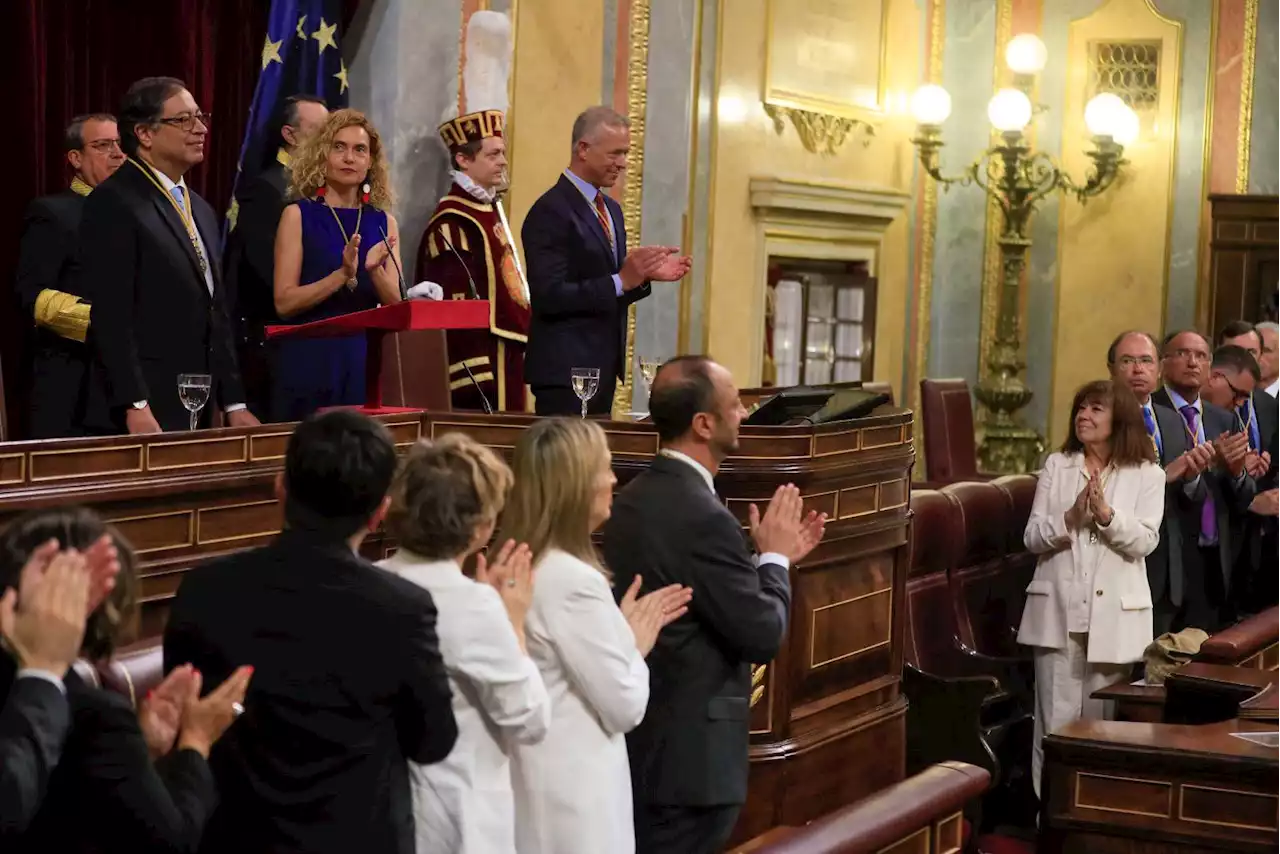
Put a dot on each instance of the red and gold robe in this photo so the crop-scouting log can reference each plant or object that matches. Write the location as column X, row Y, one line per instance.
column 496, row 356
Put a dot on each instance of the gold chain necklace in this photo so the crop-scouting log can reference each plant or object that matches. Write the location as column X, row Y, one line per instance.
column 353, row 281
column 185, row 215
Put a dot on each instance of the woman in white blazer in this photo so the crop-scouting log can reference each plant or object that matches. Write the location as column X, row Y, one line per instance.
column 573, row 789
column 444, row 504
column 1096, row 517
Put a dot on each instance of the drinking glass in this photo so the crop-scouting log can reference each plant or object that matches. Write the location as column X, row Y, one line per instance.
column 193, row 391
column 648, row 370
column 585, row 383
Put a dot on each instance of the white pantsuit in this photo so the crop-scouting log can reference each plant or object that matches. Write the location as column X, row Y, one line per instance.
column 573, row 790
column 1088, row 609
column 465, row 804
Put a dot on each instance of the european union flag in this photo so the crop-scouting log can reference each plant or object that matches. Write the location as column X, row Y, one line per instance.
column 302, row 55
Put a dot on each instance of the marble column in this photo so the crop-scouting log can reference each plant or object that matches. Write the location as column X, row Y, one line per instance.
column 402, row 58
column 1264, row 153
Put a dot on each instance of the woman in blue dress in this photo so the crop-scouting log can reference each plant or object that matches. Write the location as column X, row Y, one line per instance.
column 331, row 259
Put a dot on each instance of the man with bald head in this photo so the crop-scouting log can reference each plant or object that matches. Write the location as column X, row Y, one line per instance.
column 1212, row 528
column 689, row 754
column 582, row 277
column 1133, row 359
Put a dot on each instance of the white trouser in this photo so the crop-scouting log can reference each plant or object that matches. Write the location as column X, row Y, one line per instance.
column 1064, row 681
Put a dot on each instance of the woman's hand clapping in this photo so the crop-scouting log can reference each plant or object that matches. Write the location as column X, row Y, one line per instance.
column 205, row 720
column 511, row 574
column 649, row 614
column 1078, row 516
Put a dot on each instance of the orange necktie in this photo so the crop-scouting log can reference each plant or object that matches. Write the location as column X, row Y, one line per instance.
column 602, row 214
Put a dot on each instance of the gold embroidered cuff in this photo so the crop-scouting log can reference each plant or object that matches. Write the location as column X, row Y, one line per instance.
column 63, row 314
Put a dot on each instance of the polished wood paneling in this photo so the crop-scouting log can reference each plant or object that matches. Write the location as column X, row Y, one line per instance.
column 827, row 724
column 1242, row 258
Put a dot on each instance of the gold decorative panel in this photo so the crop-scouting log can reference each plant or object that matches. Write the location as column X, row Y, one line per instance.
column 1127, row 69
column 159, row 531
column 1144, row 797
column 1228, row 807
column 916, row 843
column 844, row 629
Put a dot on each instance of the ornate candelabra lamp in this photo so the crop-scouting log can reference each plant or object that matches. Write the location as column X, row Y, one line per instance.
column 1017, row 178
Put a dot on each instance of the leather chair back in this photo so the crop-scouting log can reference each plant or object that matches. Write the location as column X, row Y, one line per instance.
column 950, row 450
column 133, row 672
column 988, row 609
column 930, row 618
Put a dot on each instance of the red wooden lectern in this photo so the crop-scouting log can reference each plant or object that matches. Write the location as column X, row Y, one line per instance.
column 377, row 322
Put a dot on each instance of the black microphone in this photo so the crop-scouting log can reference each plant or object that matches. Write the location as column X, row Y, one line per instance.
column 471, row 283
column 471, row 286
column 404, row 292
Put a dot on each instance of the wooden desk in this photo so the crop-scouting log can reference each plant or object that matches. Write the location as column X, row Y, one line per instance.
column 828, row 727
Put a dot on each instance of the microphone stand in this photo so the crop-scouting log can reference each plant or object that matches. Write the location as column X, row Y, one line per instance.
column 471, row 287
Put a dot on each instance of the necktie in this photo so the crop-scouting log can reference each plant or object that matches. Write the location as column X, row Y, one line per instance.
column 602, row 214
column 1208, row 515
column 1246, row 417
column 176, row 192
column 1150, row 418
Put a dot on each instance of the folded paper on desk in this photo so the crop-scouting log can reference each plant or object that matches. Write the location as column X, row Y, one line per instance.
column 1262, row 739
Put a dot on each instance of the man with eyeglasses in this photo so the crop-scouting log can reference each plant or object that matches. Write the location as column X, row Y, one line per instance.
column 1258, row 411
column 46, row 280
column 149, row 268
column 1133, row 359
column 1212, row 525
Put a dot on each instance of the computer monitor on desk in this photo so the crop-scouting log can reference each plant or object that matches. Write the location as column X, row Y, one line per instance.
column 816, row 405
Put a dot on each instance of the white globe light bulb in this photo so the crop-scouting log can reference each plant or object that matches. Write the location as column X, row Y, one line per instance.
column 1009, row 110
column 1026, row 54
column 931, row 104
column 1126, row 132
column 1104, row 114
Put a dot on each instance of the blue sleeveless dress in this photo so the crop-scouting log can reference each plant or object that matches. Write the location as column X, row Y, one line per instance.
column 311, row 374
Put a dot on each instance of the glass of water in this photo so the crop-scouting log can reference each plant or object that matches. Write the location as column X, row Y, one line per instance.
column 585, row 383
column 193, row 391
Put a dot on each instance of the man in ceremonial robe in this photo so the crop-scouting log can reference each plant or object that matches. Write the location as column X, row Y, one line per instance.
column 46, row 279
column 467, row 249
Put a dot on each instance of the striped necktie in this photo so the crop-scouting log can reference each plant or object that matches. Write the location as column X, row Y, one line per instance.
column 602, row 214
column 1149, row 416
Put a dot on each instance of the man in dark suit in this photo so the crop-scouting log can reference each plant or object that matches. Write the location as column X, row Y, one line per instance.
column 250, row 257
column 689, row 754
column 47, row 280
column 43, row 632
column 149, row 272
column 348, row 681
column 582, row 277
column 1133, row 359
column 1211, row 522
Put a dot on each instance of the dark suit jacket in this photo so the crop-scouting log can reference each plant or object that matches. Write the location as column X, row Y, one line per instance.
column 348, row 684
column 1258, row 555
column 251, row 251
column 668, row 527
column 47, row 258
column 1164, row 565
column 578, row 318
column 1231, row 497
column 106, row 794
column 153, row 316
column 33, row 724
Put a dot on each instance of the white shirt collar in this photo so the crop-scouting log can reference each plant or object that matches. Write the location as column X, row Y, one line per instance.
column 1274, row 388
column 587, row 189
column 690, row 461
column 1179, row 401
column 472, row 189
column 167, row 183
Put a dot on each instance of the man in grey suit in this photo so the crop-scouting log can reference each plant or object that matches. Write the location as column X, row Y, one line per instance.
column 42, row 633
column 689, row 755
column 1133, row 359
column 1211, row 526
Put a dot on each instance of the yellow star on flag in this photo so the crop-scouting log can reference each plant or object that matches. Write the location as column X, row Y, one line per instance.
column 324, row 35
column 301, row 23
column 341, row 76
column 271, row 52
column 233, row 214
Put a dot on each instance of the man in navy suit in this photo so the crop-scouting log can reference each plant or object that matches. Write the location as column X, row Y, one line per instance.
column 581, row 276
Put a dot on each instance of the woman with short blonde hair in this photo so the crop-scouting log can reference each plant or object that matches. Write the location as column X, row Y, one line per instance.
column 445, row 502
column 573, row 790
column 335, row 254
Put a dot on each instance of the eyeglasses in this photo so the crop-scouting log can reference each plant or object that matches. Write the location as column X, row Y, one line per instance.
column 1190, row 355
column 1130, row 361
column 187, row 123
column 104, row 146
column 1238, row 395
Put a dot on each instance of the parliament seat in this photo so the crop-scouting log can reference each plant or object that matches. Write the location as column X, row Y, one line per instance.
column 988, row 608
column 132, row 672
column 922, row 813
column 1252, row 642
column 946, row 414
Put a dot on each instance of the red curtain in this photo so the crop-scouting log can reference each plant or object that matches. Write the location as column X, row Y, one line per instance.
column 67, row 57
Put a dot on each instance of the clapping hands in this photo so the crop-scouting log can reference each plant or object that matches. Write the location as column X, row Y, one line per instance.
column 784, row 529
column 648, row 615
column 511, row 574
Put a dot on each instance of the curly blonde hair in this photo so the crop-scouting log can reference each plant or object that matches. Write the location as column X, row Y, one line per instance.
column 307, row 171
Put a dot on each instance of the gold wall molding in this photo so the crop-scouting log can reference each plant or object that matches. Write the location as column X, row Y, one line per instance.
column 991, row 267
column 1247, row 61
column 632, row 194
column 928, row 230
column 873, row 205
column 820, row 133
